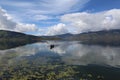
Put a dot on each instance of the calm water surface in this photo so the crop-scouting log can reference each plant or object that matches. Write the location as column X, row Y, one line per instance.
column 72, row 53
column 63, row 53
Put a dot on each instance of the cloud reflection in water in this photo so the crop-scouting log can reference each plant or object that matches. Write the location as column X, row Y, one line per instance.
column 70, row 53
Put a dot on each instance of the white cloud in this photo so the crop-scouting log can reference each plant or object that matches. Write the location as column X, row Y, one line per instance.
column 57, row 29
column 47, row 6
column 6, row 23
column 42, row 9
column 84, row 21
column 62, row 6
column 41, row 17
column 25, row 27
column 32, row 11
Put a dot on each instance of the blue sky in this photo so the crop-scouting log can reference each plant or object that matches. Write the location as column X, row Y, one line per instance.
column 41, row 17
column 101, row 5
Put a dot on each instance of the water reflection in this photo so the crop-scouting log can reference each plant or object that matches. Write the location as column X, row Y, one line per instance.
column 72, row 53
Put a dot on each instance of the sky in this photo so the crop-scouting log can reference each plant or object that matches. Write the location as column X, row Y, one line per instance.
column 54, row 17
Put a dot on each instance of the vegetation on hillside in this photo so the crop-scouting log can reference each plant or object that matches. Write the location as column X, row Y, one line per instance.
column 105, row 37
column 10, row 39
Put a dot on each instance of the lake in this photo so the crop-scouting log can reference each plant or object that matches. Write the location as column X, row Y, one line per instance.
column 60, row 60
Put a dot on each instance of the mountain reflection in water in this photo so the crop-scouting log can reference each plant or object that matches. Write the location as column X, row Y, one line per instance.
column 70, row 53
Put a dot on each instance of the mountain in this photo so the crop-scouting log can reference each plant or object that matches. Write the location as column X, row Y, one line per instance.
column 65, row 35
column 12, row 39
column 103, row 37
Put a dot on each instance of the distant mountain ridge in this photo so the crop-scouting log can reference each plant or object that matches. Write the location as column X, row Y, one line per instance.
column 5, row 33
column 103, row 37
column 10, row 39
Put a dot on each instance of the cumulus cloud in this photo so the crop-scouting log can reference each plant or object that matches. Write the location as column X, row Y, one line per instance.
column 26, row 27
column 70, row 23
column 6, row 23
column 57, row 29
column 84, row 21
